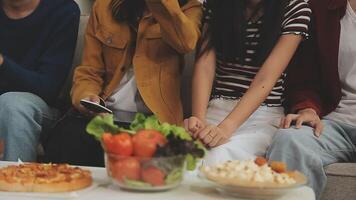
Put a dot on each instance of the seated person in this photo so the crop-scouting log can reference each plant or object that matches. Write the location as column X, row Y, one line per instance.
column 238, row 80
column 133, row 59
column 37, row 42
column 325, row 88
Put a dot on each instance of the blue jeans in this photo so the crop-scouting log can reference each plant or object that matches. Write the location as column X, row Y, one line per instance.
column 302, row 151
column 23, row 116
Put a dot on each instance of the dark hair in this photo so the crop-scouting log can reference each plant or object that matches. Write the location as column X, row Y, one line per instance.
column 226, row 29
column 131, row 10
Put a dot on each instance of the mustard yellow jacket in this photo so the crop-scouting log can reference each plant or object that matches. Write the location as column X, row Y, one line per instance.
column 166, row 32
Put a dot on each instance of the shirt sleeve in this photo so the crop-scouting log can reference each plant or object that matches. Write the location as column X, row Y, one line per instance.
column 54, row 63
column 297, row 18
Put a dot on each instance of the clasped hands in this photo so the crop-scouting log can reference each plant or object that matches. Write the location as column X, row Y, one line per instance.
column 210, row 135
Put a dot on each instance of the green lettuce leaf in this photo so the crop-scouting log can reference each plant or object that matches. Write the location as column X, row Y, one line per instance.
column 136, row 184
column 104, row 124
column 138, row 123
column 174, row 176
column 152, row 123
column 191, row 162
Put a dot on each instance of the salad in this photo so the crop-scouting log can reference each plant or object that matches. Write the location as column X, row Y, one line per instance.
column 148, row 154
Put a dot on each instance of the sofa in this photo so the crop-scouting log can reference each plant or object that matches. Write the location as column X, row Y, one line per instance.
column 341, row 176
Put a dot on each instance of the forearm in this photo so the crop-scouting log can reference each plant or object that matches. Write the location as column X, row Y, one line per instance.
column 202, row 84
column 87, row 81
column 22, row 79
column 264, row 81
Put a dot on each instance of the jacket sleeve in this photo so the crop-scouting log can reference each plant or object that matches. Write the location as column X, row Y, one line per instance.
column 303, row 80
column 180, row 27
column 88, row 77
column 54, row 64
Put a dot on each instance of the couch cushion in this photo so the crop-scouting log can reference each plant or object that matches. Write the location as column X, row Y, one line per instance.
column 342, row 169
column 64, row 97
column 85, row 8
column 341, row 182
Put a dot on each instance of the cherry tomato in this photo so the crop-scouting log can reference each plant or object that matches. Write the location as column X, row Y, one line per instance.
column 260, row 161
column 126, row 168
column 153, row 176
column 108, row 142
column 120, row 144
column 145, row 143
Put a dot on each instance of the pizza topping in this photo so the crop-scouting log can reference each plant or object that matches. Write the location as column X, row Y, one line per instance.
column 27, row 174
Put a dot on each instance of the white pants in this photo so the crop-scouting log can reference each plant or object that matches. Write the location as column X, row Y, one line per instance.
column 251, row 139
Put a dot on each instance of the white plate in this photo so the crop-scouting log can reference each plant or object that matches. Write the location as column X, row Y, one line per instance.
column 265, row 192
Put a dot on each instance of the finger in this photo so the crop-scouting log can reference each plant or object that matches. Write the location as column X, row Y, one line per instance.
column 83, row 110
column 197, row 133
column 318, row 129
column 204, row 132
column 192, row 124
column 281, row 125
column 199, row 125
column 94, row 99
column 299, row 122
column 102, row 114
column 289, row 120
column 207, row 139
column 215, row 141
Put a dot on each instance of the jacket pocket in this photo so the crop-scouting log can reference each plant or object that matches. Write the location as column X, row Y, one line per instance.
column 112, row 40
column 114, row 46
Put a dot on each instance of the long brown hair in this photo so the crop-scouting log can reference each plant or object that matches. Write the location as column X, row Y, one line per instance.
column 226, row 29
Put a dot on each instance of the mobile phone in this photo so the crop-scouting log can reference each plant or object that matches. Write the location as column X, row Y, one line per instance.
column 94, row 107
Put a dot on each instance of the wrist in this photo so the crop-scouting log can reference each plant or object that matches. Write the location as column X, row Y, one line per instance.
column 201, row 117
column 308, row 110
column 228, row 126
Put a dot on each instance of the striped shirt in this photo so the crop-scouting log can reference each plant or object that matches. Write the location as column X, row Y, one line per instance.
column 232, row 79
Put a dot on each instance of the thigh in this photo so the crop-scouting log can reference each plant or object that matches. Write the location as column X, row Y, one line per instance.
column 70, row 143
column 332, row 146
column 215, row 113
column 28, row 105
column 245, row 144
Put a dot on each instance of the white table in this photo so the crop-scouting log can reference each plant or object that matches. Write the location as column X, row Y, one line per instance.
column 191, row 189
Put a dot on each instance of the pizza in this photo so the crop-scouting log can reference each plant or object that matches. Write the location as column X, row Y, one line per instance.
column 46, row 178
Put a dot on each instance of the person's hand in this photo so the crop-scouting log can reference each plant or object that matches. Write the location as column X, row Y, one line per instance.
column 213, row 136
column 193, row 125
column 1, row 59
column 307, row 116
column 85, row 111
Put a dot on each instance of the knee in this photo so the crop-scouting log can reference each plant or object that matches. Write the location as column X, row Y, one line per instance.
column 288, row 141
column 285, row 136
column 292, row 135
column 17, row 103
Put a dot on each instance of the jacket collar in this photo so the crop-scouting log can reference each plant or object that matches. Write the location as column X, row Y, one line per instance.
column 337, row 4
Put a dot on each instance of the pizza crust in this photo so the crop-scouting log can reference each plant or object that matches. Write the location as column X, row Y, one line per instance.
column 43, row 178
column 62, row 186
column 15, row 187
